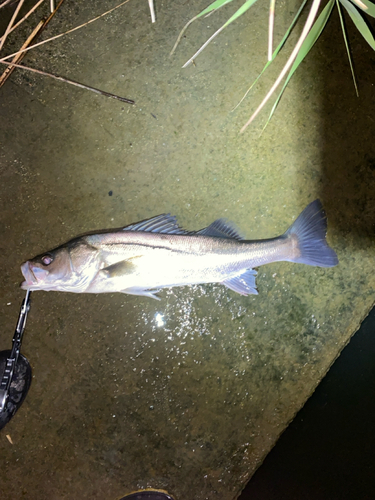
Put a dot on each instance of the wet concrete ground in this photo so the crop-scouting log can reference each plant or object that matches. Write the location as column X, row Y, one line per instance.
column 188, row 394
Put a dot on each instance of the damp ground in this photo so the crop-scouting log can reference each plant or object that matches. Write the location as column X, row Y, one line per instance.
column 188, row 394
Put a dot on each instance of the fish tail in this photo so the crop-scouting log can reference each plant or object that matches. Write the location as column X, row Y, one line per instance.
column 310, row 229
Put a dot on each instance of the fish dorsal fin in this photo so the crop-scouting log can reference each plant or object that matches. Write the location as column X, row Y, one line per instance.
column 221, row 228
column 164, row 223
column 167, row 224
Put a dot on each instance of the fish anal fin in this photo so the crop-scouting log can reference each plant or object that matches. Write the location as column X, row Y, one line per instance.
column 244, row 284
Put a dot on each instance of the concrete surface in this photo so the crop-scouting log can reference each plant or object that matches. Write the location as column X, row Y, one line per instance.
column 120, row 401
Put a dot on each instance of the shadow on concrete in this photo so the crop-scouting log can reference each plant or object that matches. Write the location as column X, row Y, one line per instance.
column 348, row 146
column 328, row 450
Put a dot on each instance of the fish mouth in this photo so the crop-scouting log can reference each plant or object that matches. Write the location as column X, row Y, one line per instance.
column 31, row 281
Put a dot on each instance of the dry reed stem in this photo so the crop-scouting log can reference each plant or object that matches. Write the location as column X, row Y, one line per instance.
column 152, row 10
column 11, row 22
column 5, row 3
column 71, row 82
column 271, row 23
column 4, row 59
column 181, row 34
column 25, row 17
column 52, row 14
column 43, row 23
column 9, row 70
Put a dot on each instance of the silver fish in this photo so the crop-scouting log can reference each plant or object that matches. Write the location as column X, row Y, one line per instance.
column 145, row 257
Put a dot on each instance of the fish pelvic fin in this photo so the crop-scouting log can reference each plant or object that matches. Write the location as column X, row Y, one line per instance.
column 310, row 229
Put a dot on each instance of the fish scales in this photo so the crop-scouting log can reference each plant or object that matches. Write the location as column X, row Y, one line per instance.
column 255, row 252
column 154, row 254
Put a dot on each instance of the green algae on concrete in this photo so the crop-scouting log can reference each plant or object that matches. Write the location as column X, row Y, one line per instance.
column 190, row 393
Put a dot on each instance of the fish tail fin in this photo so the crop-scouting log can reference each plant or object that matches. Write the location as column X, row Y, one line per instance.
column 310, row 229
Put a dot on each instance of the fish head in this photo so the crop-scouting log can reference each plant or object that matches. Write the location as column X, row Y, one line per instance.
column 47, row 271
column 67, row 268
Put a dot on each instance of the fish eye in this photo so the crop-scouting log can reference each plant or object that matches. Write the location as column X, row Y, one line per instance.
column 47, row 259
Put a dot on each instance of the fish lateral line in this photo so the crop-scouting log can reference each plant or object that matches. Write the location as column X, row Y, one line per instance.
column 150, row 255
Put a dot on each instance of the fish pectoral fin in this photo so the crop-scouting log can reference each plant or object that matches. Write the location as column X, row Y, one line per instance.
column 243, row 284
column 122, row 268
column 141, row 291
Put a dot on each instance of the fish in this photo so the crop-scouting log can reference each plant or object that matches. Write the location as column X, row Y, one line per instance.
column 148, row 256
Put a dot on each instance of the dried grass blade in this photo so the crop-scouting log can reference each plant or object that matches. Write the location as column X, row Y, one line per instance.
column 203, row 47
column 5, row 3
column 11, row 22
column 271, row 23
column 71, row 82
column 9, row 70
column 26, row 16
column 152, row 10
column 4, row 59
column 181, row 34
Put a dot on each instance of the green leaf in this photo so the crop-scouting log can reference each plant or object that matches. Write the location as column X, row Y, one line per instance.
column 237, row 14
column 308, row 43
column 347, row 46
column 214, row 6
column 370, row 7
column 276, row 51
column 211, row 8
column 240, row 11
column 359, row 22
column 288, row 31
